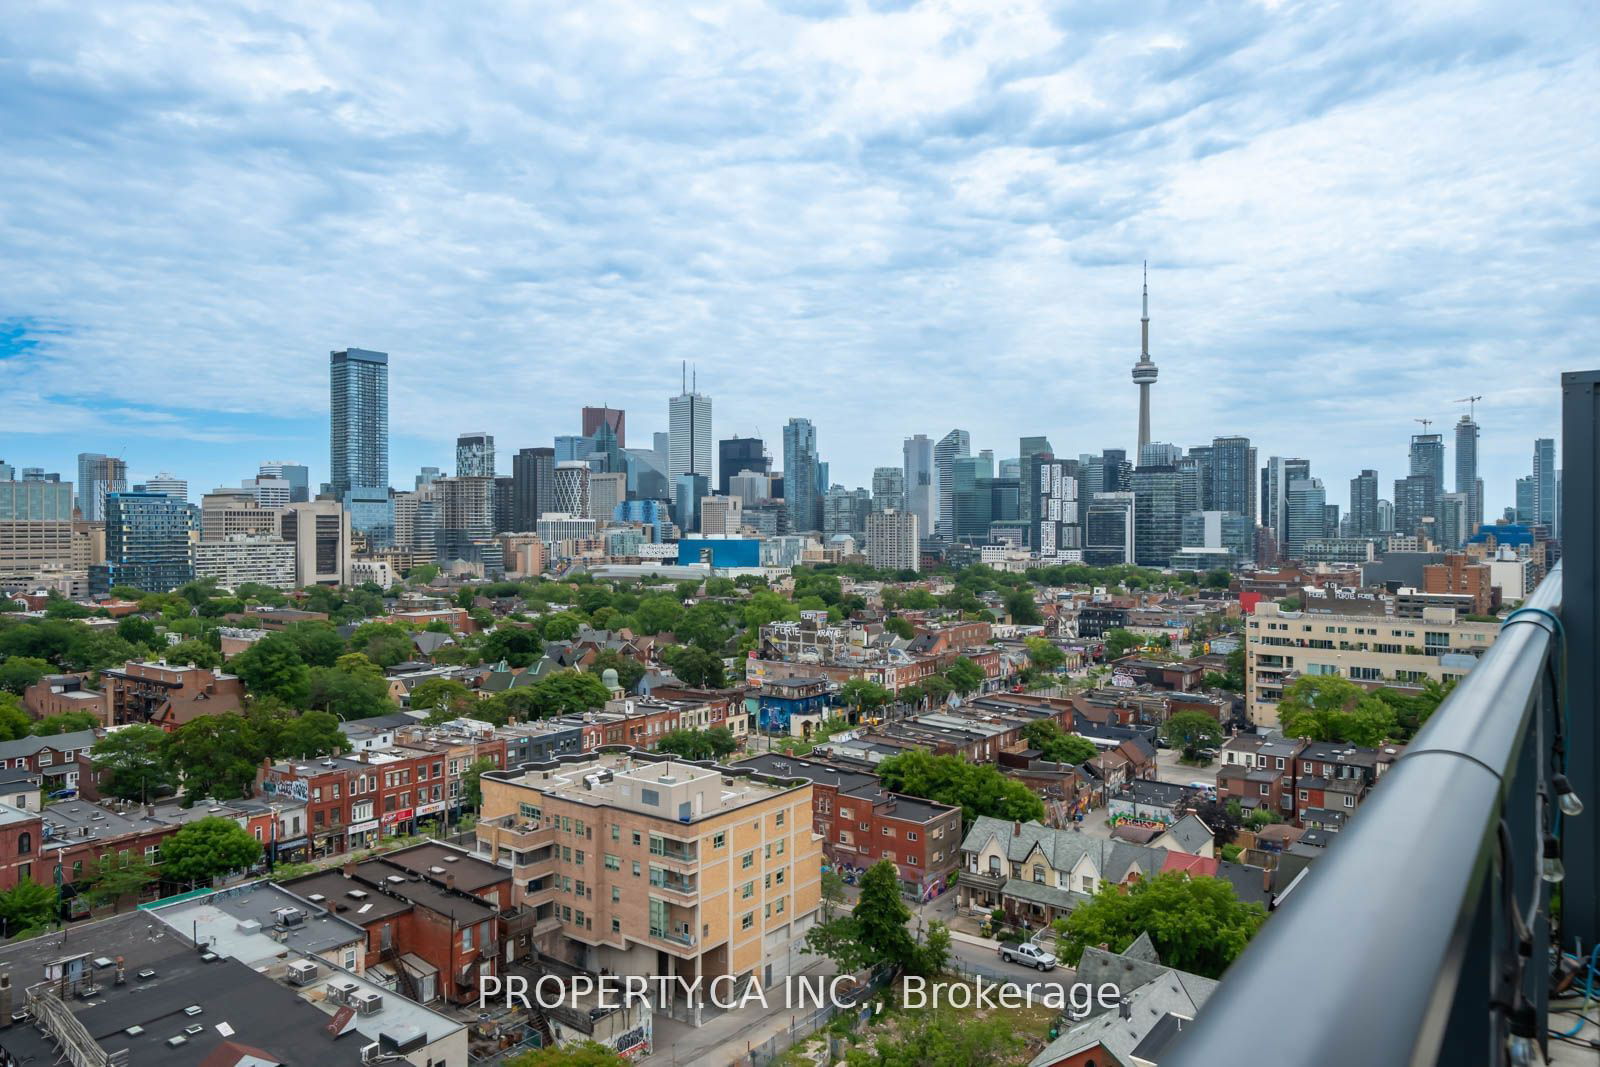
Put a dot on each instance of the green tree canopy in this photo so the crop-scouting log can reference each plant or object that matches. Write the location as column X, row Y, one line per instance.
column 1044, row 654
column 273, row 667
column 1191, row 731
column 582, row 1054
column 65, row 722
column 629, row 670
column 695, row 667
column 443, row 699
column 1196, row 924
column 14, row 722
column 353, row 688
column 1056, row 745
column 519, row 646
column 864, row 695
column 965, row 675
column 195, row 652
column 1022, row 608
column 207, row 848
column 875, row 932
column 133, row 763
column 976, row 789
column 137, row 630
column 318, row 643
column 27, row 906
column 1330, row 708
column 901, row 628
column 712, row 744
column 19, row 672
column 216, row 755
column 111, row 883
column 567, row 693
column 944, row 1038
column 1120, row 642
column 316, row 733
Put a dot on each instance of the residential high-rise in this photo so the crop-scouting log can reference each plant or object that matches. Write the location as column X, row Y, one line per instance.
column 1233, row 477
column 1144, row 371
column 845, row 511
column 736, row 455
column 296, row 474
column 269, row 492
column 1159, row 454
column 920, row 481
column 505, row 503
column 1544, row 482
column 892, row 543
column 1307, row 516
column 687, row 492
column 1219, row 531
column 1364, row 505
column 616, row 419
column 1467, row 469
column 1158, row 526
column 35, row 525
column 227, row 513
column 1385, row 516
column 951, row 445
column 1453, row 512
column 149, row 543
column 464, row 516
column 533, row 472
column 1415, row 498
column 1427, row 457
column 1029, row 449
column 1276, row 476
column 606, row 491
column 415, row 524
column 426, row 475
column 169, row 484
column 970, row 497
column 1053, row 494
column 475, row 455
column 689, row 434
column 358, row 440
column 888, row 489
column 97, row 476
column 721, row 516
column 800, row 475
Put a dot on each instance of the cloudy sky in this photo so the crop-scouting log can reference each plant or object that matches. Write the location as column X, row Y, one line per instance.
column 888, row 217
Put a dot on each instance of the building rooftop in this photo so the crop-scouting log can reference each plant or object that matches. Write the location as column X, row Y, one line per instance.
column 253, row 923
column 650, row 784
column 436, row 861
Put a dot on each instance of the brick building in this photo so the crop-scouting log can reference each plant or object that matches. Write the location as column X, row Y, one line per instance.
column 167, row 694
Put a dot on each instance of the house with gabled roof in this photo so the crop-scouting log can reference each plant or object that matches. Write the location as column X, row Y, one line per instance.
column 1037, row 873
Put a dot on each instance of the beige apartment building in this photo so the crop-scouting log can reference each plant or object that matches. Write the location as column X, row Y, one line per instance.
column 638, row 863
column 1281, row 646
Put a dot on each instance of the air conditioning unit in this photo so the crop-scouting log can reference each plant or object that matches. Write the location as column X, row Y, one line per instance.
column 302, row 972
column 368, row 1003
column 342, row 992
column 290, row 916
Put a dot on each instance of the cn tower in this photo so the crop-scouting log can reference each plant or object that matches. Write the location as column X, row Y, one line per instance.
column 1144, row 371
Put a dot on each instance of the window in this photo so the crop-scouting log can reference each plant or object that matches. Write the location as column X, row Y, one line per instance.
column 911, row 835
column 747, row 861
column 779, row 818
column 888, row 831
column 913, row 859
column 1263, row 789
column 747, row 890
column 636, row 839
column 616, row 895
column 616, row 926
column 1304, row 796
column 24, row 843
column 636, row 868
column 1349, row 802
column 616, row 832
column 747, row 920
column 651, row 797
column 613, row 863
column 719, row 839
column 778, row 907
column 466, row 939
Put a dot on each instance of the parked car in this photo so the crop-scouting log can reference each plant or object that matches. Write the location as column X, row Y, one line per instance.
column 1029, row 955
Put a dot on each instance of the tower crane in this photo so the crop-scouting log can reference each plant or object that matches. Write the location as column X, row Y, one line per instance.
column 1425, row 423
column 1471, row 402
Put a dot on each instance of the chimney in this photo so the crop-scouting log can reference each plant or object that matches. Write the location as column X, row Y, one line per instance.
column 349, row 868
column 450, row 879
column 1016, row 829
column 1125, row 1008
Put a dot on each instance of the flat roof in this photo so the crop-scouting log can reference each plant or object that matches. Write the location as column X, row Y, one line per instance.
column 223, row 920
column 617, row 778
column 471, row 873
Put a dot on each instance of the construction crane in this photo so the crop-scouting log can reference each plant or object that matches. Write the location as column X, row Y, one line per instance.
column 1471, row 402
column 1425, row 423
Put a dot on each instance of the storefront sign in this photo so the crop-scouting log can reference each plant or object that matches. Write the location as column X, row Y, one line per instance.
column 389, row 818
column 363, row 827
column 432, row 808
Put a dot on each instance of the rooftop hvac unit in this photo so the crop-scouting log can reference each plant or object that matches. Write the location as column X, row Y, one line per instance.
column 290, row 916
column 302, row 972
column 342, row 992
column 249, row 926
column 368, row 1003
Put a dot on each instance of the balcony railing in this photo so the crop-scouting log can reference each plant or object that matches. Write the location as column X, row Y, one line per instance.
column 1423, row 936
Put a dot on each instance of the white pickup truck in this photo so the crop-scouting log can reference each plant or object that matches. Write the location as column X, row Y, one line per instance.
column 1029, row 955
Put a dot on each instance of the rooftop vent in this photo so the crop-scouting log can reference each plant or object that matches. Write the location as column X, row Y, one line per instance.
column 316, row 898
column 368, row 1003
column 452, row 859
column 394, row 879
column 193, row 1009
column 209, row 957
column 193, row 1029
column 134, row 1030
column 356, row 894
column 177, row 1042
column 435, row 870
column 302, row 972
column 146, row 974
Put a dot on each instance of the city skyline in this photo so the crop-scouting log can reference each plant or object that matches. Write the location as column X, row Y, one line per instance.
column 817, row 195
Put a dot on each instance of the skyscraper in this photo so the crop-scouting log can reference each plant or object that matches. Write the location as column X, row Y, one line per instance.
column 1029, row 449
column 800, row 476
column 1108, row 530
column 1276, row 477
column 594, row 418
column 533, row 485
column 921, row 487
column 1427, row 457
column 97, row 476
column 1307, row 515
column 970, row 499
column 1158, row 527
column 148, row 543
column 1544, row 481
column 1526, row 510
column 171, row 485
column 1467, row 470
column 475, row 455
column 892, row 543
column 1144, row 371
column 735, row 455
column 888, row 489
column 1233, row 477
column 1364, row 505
column 1053, row 496
column 1416, row 498
column 358, row 440
column 571, row 489
column 953, row 444
column 689, row 434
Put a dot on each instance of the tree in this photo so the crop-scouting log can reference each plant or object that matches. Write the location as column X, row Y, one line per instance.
column 208, row 848
column 1224, row 819
column 1326, row 707
column 977, row 790
column 1044, row 654
column 472, row 781
column 14, row 722
column 422, row 574
column 874, row 933
column 133, row 763
column 582, row 1054
column 19, row 672
column 1191, row 731
column 629, row 670
column 1056, row 745
column 316, row 733
column 65, row 722
column 944, row 1038
column 566, row 693
column 1120, row 642
column 195, row 653
column 714, row 743
column 519, row 646
column 1196, row 924
column 1022, row 608
column 695, row 667
column 353, row 688
column 115, row 881
column 216, row 755
column 863, row 695
column 442, row 698
column 901, row 628
column 965, row 675
column 273, row 667
column 1412, row 710
column 318, row 643
column 27, row 906
column 657, row 613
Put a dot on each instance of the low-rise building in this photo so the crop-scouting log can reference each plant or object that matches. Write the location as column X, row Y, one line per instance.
column 1038, row 874
column 167, row 694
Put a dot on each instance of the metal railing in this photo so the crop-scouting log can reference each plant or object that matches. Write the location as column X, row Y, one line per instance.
column 1422, row 936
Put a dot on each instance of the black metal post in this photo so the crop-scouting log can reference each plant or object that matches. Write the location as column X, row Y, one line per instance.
column 1580, row 616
